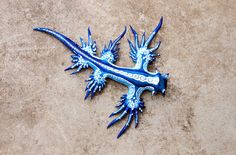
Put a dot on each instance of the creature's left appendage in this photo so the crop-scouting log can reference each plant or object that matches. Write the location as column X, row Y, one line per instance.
column 130, row 104
column 96, row 82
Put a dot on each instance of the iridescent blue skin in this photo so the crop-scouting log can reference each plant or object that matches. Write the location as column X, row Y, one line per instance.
column 137, row 79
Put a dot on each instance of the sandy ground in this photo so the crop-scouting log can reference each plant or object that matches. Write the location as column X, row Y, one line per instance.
column 42, row 110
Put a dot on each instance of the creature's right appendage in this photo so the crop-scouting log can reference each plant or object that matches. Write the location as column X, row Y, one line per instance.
column 130, row 104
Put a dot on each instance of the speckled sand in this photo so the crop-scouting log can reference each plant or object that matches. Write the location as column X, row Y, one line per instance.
column 42, row 108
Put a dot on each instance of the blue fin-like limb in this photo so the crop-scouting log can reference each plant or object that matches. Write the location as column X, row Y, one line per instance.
column 96, row 82
column 126, row 124
column 141, row 54
column 79, row 63
column 128, row 105
column 90, row 46
column 110, row 53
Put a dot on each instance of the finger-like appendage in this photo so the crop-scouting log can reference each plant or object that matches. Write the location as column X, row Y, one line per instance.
column 90, row 88
column 117, row 111
column 100, row 88
column 141, row 110
column 126, row 125
column 78, row 70
column 89, row 79
column 74, row 56
column 74, row 60
column 136, row 118
column 132, row 47
column 82, row 42
column 119, row 104
column 141, row 104
column 89, row 84
column 72, row 67
column 143, row 40
column 135, row 37
column 94, row 45
column 154, row 32
column 89, row 37
column 93, row 85
column 156, row 47
column 118, row 39
column 87, row 94
column 94, row 90
column 118, row 118
column 110, row 43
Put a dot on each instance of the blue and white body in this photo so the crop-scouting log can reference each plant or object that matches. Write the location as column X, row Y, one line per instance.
column 138, row 79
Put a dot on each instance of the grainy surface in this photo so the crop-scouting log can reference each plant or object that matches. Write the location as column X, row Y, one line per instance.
column 42, row 110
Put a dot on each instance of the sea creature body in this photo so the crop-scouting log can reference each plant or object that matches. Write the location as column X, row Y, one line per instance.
column 137, row 78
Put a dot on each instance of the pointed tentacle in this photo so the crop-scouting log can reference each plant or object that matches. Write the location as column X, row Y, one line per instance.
column 118, row 39
column 89, row 84
column 78, row 70
column 82, row 42
column 132, row 46
column 89, row 37
column 136, row 118
column 155, row 47
column 143, row 40
column 135, row 37
column 87, row 94
column 117, row 111
column 126, row 125
column 118, row 118
column 154, row 32
column 72, row 66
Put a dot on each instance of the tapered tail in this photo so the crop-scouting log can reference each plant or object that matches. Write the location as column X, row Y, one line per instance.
column 66, row 41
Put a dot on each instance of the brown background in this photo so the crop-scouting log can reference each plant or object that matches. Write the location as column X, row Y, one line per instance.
column 42, row 110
